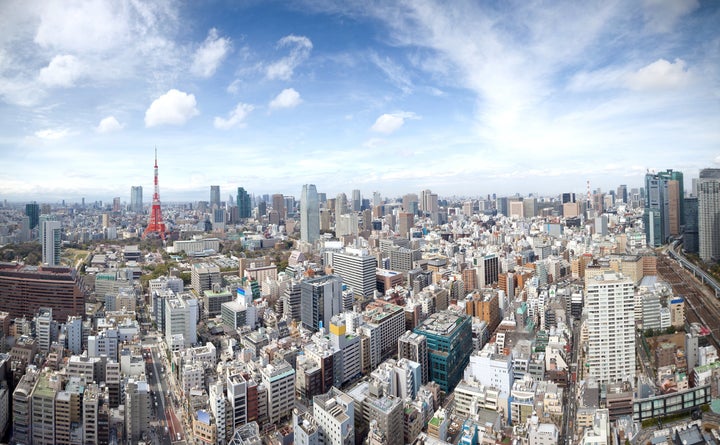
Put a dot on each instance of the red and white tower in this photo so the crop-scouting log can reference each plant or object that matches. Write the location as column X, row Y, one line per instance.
column 155, row 224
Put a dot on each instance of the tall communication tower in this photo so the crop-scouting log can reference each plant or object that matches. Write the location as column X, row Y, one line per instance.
column 155, row 224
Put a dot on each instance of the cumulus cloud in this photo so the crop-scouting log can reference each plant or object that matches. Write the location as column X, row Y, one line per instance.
column 659, row 75
column 62, row 71
column 211, row 53
column 52, row 134
column 236, row 117
column 300, row 47
column 288, row 98
column 108, row 125
column 173, row 108
column 389, row 123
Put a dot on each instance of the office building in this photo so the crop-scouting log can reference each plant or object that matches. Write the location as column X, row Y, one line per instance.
column 24, row 289
column 609, row 302
column 413, row 346
column 181, row 319
column 278, row 204
column 449, row 342
column 406, row 221
column 385, row 417
column 341, row 206
column 22, row 407
column 51, row 239
column 214, row 197
column 279, row 380
column 309, row 214
column 709, row 214
column 691, row 241
column 43, row 409
column 136, row 199
column 335, row 416
column 32, row 211
column 204, row 276
column 321, row 298
column 137, row 409
column 664, row 206
column 244, row 204
column 356, row 200
column 356, row 267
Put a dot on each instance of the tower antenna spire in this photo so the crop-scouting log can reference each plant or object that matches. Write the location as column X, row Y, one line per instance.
column 155, row 224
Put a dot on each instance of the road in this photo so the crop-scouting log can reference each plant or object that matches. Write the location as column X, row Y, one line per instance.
column 158, row 392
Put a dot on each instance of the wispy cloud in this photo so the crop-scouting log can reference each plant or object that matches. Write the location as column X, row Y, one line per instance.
column 62, row 71
column 283, row 69
column 210, row 54
column 173, row 108
column 236, row 117
column 390, row 123
column 52, row 133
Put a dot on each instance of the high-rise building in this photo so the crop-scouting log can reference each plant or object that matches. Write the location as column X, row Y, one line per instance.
column 691, row 242
column 278, row 204
column 709, row 214
column 279, row 380
column 609, row 302
column 656, row 217
column 449, row 342
column 341, row 205
column 214, row 197
column 43, row 409
column 137, row 409
column 414, row 347
column 356, row 200
column 24, row 289
column 406, row 221
column 136, row 199
column 321, row 298
column 32, row 211
column 51, row 239
column 676, row 200
column 309, row 214
column 244, row 204
column 357, row 269
column 181, row 319
column 622, row 193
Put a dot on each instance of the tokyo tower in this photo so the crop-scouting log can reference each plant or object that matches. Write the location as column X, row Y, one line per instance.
column 155, row 224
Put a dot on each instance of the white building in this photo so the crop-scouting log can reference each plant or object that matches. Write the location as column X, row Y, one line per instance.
column 609, row 302
column 181, row 317
column 335, row 417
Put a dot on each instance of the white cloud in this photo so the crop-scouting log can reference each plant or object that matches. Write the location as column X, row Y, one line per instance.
column 52, row 134
column 662, row 15
column 300, row 47
column 62, row 71
column 396, row 73
column 174, row 108
column 659, row 75
column 236, row 117
column 234, row 87
column 288, row 98
column 389, row 123
column 108, row 125
column 211, row 53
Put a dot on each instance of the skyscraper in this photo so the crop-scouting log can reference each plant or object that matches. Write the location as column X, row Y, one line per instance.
column 278, row 204
column 709, row 214
column 691, row 242
column 32, row 211
column 357, row 269
column 356, row 200
column 656, row 218
column 609, row 301
column 214, row 196
column 309, row 214
column 51, row 238
column 136, row 199
column 243, row 203
column 340, row 205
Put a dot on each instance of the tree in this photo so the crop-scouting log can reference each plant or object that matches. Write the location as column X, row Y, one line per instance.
column 649, row 332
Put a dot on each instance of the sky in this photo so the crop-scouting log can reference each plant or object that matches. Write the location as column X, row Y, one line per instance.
column 465, row 98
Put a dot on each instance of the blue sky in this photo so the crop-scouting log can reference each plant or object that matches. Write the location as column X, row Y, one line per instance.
column 465, row 98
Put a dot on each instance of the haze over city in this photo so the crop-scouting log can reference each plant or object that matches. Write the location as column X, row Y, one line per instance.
column 465, row 99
